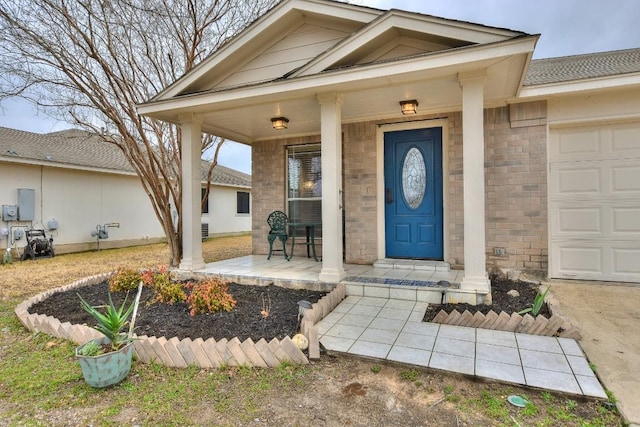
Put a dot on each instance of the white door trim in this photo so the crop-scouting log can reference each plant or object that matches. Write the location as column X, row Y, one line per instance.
column 420, row 124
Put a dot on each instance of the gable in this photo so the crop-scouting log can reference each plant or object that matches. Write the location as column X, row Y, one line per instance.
column 396, row 44
column 307, row 37
column 399, row 34
column 285, row 30
column 290, row 52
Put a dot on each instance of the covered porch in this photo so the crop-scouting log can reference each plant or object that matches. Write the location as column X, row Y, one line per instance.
column 339, row 77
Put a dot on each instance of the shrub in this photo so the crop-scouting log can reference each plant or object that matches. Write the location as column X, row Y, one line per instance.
column 209, row 296
column 165, row 290
column 125, row 279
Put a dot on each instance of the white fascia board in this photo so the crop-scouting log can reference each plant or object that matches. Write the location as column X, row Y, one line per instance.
column 523, row 76
column 338, row 79
column 232, row 186
column 404, row 21
column 275, row 18
column 47, row 163
column 610, row 82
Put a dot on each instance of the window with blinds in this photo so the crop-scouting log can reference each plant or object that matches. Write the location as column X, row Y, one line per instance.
column 304, row 185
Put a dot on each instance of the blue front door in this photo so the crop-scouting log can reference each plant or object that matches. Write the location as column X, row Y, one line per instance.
column 413, row 193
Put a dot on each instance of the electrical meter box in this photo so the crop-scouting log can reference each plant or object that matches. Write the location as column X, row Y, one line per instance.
column 9, row 213
column 26, row 204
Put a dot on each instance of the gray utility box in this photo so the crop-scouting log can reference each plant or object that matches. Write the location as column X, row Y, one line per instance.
column 26, row 204
column 9, row 212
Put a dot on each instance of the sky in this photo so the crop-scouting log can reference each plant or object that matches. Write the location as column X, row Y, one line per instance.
column 567, row 27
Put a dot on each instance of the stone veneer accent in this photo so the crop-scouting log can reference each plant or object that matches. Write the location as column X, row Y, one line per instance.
column 515, row 178
column 177, row 353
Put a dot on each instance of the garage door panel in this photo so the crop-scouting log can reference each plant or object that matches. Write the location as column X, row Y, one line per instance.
column 583, row 143
column 594, row 202
column 577, row 259
column 626, row 220
column 578, row 181
column 626, row 260
column 626, row 140
column 616, row 261
column 580, row 220
column 625, row 179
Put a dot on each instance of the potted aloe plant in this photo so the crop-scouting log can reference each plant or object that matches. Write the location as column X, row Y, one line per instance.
column 107, row 361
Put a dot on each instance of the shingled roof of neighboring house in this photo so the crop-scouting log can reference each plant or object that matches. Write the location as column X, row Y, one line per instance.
column 582, row 67
column 76, row 148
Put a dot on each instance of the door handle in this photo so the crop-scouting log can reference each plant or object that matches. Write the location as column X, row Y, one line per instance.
column 389, row 197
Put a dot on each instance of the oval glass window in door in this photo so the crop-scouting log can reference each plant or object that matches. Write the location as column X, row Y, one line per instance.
column 414, row 178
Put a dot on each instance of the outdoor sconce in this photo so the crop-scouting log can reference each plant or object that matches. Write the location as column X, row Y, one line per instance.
column 280, row 123
column 409, row 107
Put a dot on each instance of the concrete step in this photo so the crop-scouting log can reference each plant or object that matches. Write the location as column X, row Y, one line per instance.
column 412, row 264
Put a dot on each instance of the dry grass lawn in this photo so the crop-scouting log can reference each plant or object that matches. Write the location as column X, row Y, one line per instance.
column 26, row 278
column 41, row 383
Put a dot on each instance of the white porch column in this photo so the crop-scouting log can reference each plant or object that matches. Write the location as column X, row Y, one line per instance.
column 331, row 146
column 475, row 272
column 191, row 187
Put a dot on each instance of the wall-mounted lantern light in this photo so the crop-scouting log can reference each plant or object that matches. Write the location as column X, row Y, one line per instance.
column 409, row 107
column 280, row 123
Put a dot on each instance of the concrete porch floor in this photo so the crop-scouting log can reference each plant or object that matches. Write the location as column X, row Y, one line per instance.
column 382, row 318
column 301, row 271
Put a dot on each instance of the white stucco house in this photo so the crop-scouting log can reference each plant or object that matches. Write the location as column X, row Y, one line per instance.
column 413, row 136
column 71, row 184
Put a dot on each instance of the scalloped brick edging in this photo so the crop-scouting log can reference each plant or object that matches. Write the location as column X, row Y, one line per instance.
column 177, row 353
column 556, row 325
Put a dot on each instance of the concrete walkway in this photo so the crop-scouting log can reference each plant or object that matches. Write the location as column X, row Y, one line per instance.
column 608, row 317
column 393, row 329
column 383, row 321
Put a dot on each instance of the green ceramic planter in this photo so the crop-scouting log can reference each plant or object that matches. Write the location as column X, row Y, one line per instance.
column 106, row 369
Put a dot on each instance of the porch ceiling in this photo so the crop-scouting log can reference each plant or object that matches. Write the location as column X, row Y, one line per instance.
column 370, row 92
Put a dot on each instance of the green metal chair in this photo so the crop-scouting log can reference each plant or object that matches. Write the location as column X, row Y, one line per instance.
column 278, row 221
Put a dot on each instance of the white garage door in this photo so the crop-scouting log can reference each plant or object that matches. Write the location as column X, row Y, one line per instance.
column 594, row 202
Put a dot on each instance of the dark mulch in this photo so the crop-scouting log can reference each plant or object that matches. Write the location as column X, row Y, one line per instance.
column 163, row 320
column 246, row 321
column 501, row 300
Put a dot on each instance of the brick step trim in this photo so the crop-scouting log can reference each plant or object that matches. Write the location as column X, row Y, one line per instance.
column 556, row 325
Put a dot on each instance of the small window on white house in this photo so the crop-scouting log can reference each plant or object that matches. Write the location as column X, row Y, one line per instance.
column 205, row 204
column 243, row 205
column 304, row 185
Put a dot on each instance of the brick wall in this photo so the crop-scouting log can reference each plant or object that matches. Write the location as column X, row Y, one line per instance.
column 516, row 185
column 515, row 175
column 360, row 188
column 454, row 208
column 268, row 185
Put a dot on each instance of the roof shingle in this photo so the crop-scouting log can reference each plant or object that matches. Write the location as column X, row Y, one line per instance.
column 78, row 148
column 582, row 67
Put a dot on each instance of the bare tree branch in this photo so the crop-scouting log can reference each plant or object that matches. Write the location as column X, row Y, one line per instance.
column 90, row 62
